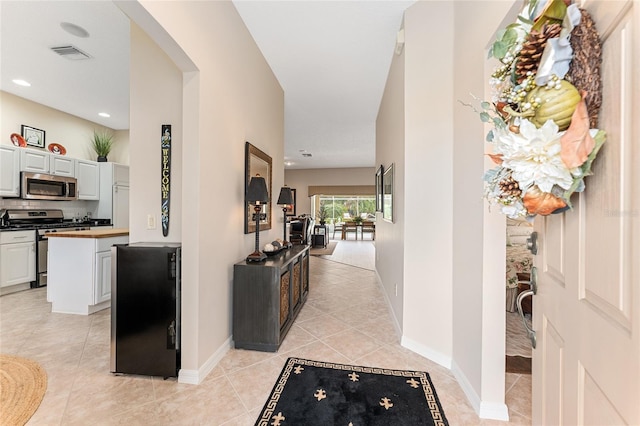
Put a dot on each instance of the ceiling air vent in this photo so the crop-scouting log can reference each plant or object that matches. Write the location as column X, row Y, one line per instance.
column 70, row 52
column 306, row 154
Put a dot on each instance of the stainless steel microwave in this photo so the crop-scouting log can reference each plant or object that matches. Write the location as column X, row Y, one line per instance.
column 41, row 186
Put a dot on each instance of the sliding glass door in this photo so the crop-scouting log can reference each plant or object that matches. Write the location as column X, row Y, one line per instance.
column 341, row 207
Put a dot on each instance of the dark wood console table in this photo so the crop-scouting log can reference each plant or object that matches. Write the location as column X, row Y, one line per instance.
column 267, row 297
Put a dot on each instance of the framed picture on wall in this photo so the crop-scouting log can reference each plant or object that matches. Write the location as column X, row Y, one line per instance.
column 291, row 208
column 257, row 163
column 33, row 136
column 379, row 174
column 387, row 191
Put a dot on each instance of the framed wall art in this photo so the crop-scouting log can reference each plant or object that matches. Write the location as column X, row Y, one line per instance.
column 33, row 136
column 256, row 163
column 379, row 194
column 387, row 191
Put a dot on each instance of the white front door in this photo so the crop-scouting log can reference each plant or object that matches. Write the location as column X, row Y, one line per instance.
column 586, row 367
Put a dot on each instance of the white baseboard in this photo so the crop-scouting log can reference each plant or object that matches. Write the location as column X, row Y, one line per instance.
column 468, row 390
column 426, row 352
column 396, row 324
column 195, row 377
column 485, row 410
column 418, row 348
column 494, row 411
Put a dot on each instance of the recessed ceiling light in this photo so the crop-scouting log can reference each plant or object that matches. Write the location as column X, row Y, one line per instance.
column 21, row 82
column 104, row 114
column 74, row 29
column 288, row 163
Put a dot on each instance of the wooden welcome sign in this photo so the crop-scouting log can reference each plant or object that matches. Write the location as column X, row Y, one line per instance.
column 165, row 180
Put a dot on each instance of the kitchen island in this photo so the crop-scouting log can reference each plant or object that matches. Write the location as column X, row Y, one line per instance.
column 79, row 280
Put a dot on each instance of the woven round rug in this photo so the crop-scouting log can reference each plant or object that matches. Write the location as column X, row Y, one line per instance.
column 22, row 386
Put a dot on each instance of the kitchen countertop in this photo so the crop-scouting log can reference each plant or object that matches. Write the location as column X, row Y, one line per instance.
column 91, row 233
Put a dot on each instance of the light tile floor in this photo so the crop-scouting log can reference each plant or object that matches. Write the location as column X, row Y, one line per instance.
column 345, row 320
column 355, row 253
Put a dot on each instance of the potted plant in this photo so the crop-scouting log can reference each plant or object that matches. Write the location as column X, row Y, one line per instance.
column 322, row 215
column 102, row 142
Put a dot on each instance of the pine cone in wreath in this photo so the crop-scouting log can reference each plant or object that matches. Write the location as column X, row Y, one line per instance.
column 584, row 71
column 509, row 187
column 532, row 49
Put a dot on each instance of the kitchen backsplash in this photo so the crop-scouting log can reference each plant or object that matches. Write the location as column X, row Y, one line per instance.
column 71, row 209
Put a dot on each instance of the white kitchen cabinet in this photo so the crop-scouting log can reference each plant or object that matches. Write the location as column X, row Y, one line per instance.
column 62, row 166
column 102, row 291
column 79, row 275
column 34, row 161
column 88, row 175
column 17, row 257
column 9, row 171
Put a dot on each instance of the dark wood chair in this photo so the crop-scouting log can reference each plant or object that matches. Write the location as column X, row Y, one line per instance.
column 349, row 227
column 369, row 227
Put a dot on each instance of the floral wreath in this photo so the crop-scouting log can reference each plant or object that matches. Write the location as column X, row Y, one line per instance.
column 546, row 97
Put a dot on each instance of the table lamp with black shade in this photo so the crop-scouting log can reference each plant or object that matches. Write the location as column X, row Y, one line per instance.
column 285, row 199
column 258, row 196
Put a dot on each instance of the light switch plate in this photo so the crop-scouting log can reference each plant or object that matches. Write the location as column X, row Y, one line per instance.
column 151, row 221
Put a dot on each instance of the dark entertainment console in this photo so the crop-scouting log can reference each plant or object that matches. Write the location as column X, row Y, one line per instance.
column 267, row 297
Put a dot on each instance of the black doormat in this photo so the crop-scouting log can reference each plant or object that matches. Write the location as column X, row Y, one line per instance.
column 321, row 393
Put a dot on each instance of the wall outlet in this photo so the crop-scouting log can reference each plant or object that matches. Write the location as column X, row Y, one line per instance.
column 151, row 221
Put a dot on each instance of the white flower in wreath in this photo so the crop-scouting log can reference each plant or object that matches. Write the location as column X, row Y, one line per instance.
column 514, row 210
column 533, row 155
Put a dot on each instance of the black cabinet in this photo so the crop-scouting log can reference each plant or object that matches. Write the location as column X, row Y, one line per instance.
column 267, row 297
column 145, row 309
column 320, row 236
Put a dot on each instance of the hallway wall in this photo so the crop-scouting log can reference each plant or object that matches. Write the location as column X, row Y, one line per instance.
column 452, row 295
column 152, row 72
column 479, row 235
column 229, row 96
column 390, row 149
column 428, row 179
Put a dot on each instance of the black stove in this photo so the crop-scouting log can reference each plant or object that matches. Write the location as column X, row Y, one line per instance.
column 43, row 220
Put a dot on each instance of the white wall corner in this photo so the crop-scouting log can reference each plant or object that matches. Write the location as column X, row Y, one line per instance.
column 426, row 352
column 485, row 410
column 493, row 411
column 195, row 377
